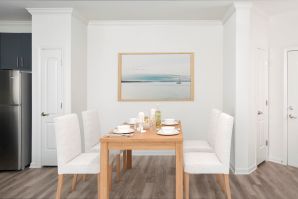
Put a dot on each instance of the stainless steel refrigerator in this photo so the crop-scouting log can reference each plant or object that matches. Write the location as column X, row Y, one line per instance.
column 15, row 119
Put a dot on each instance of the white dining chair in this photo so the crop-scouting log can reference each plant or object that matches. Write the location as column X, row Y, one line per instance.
column 212, row 163
column 70, row 158
column 204, row 145
column 91, row 139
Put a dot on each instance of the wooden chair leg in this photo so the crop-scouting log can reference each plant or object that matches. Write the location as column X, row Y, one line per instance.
column 110, row 177
column 84, row 177
column 186, row 185
column 98, row 186
column 227, row 186
column 118, row 167
column 124, row 160
column 219, row 179
column 74, row 182
column 59, row 186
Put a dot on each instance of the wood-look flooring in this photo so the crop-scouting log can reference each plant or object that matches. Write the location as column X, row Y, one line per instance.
column 153, row 177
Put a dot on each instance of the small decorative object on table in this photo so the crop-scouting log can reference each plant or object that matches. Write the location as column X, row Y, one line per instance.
column 152, row 117
column 141, row 117
column 158, row 118
column 146, row 123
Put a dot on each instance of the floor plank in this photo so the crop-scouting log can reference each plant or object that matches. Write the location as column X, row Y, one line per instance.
column 153, row 177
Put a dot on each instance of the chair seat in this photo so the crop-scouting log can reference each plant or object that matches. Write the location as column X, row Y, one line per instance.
column 96, row 149
column 203, row 163
column 85, row 163
column 197, row 146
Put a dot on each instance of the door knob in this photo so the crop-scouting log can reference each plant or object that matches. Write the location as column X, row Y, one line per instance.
column 292, row 116
column 291, row 108
column 44, row 114
column 260, row 112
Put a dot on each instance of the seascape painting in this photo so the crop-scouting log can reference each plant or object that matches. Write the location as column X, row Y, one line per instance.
column 155, row 77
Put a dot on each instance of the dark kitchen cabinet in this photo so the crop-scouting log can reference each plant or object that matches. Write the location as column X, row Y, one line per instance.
column 15, row 51
column 26, row 51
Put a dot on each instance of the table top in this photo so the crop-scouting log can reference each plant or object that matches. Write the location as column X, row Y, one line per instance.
column 149, row 136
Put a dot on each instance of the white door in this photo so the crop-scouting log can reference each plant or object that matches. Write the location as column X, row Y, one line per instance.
column 262, row 104
column 292, row 108
column 51, row 101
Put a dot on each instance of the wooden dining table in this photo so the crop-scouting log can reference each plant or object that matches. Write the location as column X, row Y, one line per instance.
column 148, row 140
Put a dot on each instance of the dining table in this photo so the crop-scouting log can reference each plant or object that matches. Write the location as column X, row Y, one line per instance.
column 148, row 140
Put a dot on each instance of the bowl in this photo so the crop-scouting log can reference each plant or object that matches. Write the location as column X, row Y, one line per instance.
column 123, row 128
column 169, row 121
column 168, row 129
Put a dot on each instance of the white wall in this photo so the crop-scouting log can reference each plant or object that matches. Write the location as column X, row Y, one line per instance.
column 229, row 71
column 283, row 34
column 49, row 30
column 239, row 85
column 107, row 39
column 78, row 65
column 259, row 40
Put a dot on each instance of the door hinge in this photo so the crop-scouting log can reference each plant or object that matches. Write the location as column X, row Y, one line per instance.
column 266, row 102
column 61, row 105
column 267, row 142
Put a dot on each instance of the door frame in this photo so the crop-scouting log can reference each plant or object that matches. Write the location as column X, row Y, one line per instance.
column 285, row 107
column 267, row 107
column 40, row 96
column 36, row 95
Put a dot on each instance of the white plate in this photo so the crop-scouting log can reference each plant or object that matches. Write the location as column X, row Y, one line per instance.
column 131, row 123
column 170, row 123
column 116, row 131
column 161, row 132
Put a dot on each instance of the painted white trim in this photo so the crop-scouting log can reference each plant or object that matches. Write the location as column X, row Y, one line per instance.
column 34, row 165
column 285, row 107
column 232, row 169
column 50, row 10
column 267, row 107
column 77, row 15
column 7, row 22
column 285, row 111
column 155, row 22
column 15, row 26
column 231, row 10
column 275, row 160
column 242, row 4
column 36, row 91
column 245, row 171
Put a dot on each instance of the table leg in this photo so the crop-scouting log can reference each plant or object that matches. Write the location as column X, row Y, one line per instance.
column 104, row 169
column 179, row 171
column 129, row 159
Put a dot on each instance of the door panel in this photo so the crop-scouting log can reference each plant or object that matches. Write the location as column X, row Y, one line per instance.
column 262, row 105
column 51, row 102
column 292, row 108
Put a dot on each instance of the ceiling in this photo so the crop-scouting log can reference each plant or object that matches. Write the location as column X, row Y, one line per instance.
column 140, row 10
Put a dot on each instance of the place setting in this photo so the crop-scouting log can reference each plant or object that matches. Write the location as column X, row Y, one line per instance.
column 142, row 124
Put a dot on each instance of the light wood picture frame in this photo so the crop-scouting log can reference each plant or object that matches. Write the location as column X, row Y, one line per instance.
column 156, row 76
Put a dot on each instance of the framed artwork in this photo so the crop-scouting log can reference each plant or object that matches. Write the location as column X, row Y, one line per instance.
column 156, row 76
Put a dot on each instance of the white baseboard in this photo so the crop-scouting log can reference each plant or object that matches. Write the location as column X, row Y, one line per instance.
column 245, row 171
column 232, row 168
column 275, row 160
column 34, row 165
